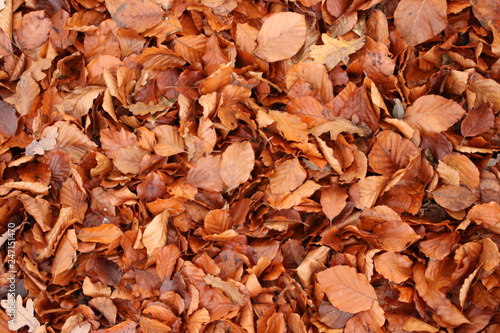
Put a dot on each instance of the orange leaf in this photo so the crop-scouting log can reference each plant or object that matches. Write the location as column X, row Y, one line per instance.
column 128, row 159
column 395, row 236
column 155, row 234
column 436, row 299
column 347, row 289
column 468, row 172
column 433, row 114
column 477, row 121
column 281, row 36
column 105, row 233
column 236, row 164
column 206, row 174
column 419, row 20
column 487, row 215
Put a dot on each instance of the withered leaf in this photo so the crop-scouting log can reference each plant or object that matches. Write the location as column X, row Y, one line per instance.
column 419, row 21
column 236, row 164
column 433, row 114
column 335, row 50
column 281, row 36
column 453, row 197
column 347, row 289
column 8, row 118
column 138, row 15
column 24, row 314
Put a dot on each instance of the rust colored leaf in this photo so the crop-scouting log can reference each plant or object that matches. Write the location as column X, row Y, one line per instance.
column 419, row 21
column 487, row 215
column 477, row 121
column 487, row 91
column 467, row 171
column 169, row 141
column 206, row 174
column 128, row 159
column 333, row 200
column 437, row 300
column 236, row 164
column 433, row 114
column 453, row 197
column 347, row 289
column 281, row 36
column 228, row 288
column 72, row 195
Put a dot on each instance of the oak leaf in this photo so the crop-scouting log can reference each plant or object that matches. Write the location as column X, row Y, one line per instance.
column 24, row 315
column 335, row 50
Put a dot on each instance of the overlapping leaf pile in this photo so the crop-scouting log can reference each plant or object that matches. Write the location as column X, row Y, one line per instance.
column 252, row 166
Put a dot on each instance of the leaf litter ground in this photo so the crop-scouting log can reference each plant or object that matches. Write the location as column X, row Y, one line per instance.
column 250, row 166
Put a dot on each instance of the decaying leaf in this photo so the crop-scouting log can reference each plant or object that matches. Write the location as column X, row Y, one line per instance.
column 23, row 315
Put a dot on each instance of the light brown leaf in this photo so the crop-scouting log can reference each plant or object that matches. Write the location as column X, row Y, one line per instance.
column 290, row 126
column 236, row 164
column 337, row 126
column 227, row 287
column 246, row 37
column 391, row 153
column 169, row 141
column 281, row 36
column 468, row 172
column 8, row 119
column 65, row 254
column 394, row 267
column 138, row 15
column 24, row 316
column 419, row 20
column 197, row 320
column 488, row 92
column 433, row 114
column 155, row 234
column 304, row 191
column 335, row 50
column 287, row 176
column 395, row 236
column 128, row 159
column 347, row 289
column 34, row 30
column 206, row 174
column 370, row 189
column 453, row 197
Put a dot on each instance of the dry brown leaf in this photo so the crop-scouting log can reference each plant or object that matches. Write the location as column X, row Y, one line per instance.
column 335, row 50
column 433, row 114
column 287, row 176
column 453, row 197
column 155, row 233
column 24, row 315
column 394, row 267
column 281, row 36
column 419, row 21
column 236, row 164
column 138, row 15
column 395, row 236
column 227, row 287
column 34, row 30
column 347, row 289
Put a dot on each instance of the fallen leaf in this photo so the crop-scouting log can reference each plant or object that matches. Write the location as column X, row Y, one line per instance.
column 228, row 288
column 23, row 315
column 287, row 176
column 453, row 197
column 105, row 233
column 138, row 15
column 236, row 164
column 347, row 289
column 8, row 119
column 281, row 36
column 155, row 233
column 419, row 21
column 335, row 50
column 433, row 114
